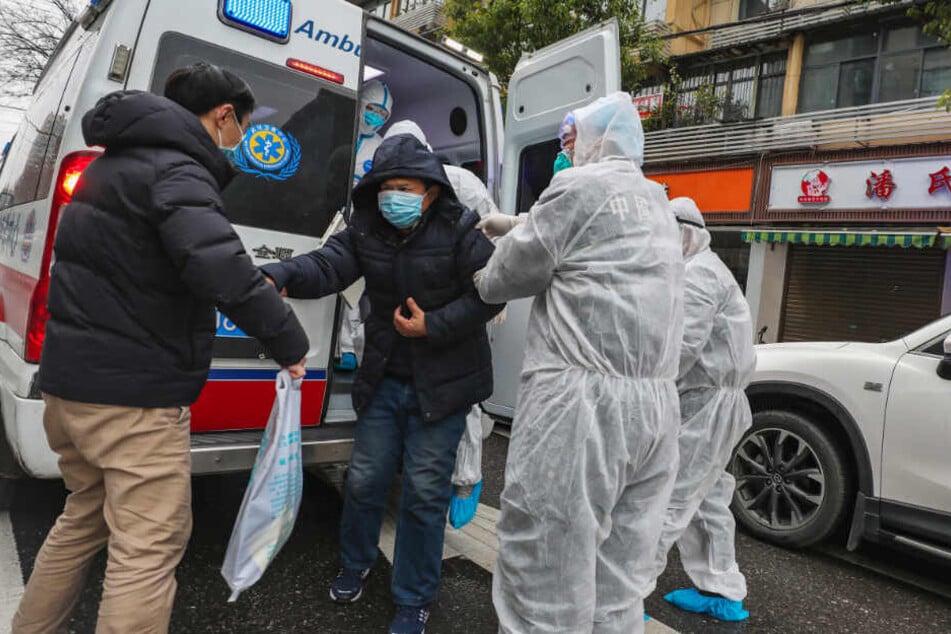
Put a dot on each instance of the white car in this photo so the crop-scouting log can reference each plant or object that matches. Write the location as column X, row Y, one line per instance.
column 854, row 435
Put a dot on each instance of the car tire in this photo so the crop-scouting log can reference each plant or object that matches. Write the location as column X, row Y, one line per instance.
column 794, row 484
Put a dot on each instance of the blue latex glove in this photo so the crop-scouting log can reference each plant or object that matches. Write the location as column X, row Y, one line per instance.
column 462, row 510
column 347, row 363
column 691, row 600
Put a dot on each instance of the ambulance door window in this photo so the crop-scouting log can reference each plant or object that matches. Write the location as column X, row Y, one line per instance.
column 309, row 143
column 535, row 172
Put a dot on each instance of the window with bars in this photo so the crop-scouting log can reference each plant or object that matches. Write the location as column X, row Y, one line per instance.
column 885, row 63
column 749, row 88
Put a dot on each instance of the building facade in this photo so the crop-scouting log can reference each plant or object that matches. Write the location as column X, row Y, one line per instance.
column 809, row 135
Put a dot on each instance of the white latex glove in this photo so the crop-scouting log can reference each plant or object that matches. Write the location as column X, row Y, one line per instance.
column 496, row 225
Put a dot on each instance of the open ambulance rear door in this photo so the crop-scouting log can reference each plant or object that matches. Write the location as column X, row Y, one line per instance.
column 545, row 86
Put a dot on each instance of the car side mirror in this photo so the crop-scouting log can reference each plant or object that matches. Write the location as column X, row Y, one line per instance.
column 944, row 366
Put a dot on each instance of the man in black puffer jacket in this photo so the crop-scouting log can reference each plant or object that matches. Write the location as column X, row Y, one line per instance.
column 144, row 253
column 427, row 361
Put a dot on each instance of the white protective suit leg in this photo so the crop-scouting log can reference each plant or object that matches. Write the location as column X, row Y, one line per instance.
column 707, row 547
column 351, row 332
column 706, row 441
column 468, row 471
column 587, row 480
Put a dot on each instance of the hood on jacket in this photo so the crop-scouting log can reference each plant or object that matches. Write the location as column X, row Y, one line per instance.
column 133, row 118
column 401, row 156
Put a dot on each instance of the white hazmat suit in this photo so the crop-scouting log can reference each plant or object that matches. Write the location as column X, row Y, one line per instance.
column 716, row 364
column 376, row 105
column 594, row 441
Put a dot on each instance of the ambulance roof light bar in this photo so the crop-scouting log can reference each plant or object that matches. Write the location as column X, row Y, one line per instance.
column 270, row 19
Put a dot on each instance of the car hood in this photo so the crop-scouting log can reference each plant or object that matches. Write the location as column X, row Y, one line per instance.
column 806, row 345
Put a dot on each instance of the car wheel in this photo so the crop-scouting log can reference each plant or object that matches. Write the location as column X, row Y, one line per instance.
column 792, row 481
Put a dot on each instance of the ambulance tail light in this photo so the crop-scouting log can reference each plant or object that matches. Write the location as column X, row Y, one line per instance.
column 70, row 172
column 316, row 71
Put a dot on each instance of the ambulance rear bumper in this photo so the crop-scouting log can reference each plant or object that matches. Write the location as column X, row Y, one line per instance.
column 227, row 452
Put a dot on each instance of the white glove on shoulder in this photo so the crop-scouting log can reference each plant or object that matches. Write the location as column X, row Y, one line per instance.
column 496, row 225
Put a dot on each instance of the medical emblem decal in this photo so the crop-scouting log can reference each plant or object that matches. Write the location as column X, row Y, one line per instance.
column 268, row 152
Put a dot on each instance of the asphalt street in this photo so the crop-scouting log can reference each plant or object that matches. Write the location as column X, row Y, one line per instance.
column 812, row 591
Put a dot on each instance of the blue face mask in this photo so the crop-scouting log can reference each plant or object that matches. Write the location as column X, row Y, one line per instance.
column 373, row 120
column 562, row 162
column 401, row 209
column 229, row 152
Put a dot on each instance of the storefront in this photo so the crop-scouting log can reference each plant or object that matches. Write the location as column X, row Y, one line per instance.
column 724, row 195
column 866, row 259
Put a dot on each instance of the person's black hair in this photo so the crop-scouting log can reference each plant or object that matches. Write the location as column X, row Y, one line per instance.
column 202, row 87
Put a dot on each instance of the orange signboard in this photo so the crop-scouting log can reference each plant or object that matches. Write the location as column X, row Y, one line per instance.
column 714, row 191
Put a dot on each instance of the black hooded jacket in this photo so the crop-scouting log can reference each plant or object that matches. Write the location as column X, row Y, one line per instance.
column 452, row 366
column 144, row 253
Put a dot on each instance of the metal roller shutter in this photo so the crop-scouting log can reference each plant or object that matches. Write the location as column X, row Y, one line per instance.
column 860, row 293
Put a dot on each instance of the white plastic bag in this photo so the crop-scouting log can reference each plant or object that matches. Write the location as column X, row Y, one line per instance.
column 469, row 453
column 273, row 496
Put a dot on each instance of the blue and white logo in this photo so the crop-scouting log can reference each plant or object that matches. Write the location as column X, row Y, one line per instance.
column 367, row 166
column 268, row 152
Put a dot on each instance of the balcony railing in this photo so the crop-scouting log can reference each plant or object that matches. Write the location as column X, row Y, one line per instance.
column 913, row 121
column 423, row 19
column 775, row 24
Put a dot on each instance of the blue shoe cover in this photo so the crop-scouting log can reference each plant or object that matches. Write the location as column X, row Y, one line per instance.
column 347, row 363
column 647, row 618
column 462, row 510
column 691, row 600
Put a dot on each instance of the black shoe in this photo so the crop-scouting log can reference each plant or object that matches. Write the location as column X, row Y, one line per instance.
column 349, row 584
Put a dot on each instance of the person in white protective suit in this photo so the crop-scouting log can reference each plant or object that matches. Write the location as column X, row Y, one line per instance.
column 717, row 360
column 593, row 452
column 376, row 106
column 467, row 478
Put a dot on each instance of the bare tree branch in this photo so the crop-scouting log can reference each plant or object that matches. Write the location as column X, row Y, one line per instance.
column 29, row 33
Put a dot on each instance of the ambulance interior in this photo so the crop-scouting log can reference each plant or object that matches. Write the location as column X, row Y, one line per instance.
column 447, row 110
column 441, row 103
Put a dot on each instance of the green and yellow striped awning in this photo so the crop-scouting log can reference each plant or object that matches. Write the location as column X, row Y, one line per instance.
column 920, row 240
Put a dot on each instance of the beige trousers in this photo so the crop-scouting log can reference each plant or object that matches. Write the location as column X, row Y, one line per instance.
column 128, row 471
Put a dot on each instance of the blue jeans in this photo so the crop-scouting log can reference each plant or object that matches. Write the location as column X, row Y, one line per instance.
column 391, row 431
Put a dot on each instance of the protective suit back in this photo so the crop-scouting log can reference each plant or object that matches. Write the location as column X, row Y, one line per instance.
column 716, row 365
column 593, row 449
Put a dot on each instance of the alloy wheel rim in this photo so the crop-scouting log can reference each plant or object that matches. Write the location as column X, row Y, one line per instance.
column 780, row 483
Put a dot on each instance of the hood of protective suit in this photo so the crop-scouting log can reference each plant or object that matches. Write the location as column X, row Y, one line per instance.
column 693, row 233
column 408, row 127
column 610, row 128
column 375, row 93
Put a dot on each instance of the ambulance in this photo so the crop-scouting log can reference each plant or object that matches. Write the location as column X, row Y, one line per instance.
column 306, row 61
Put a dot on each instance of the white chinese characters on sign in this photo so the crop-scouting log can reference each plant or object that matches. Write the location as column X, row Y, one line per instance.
column 914, row 183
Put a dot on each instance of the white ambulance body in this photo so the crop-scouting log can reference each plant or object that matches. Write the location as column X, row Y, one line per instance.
column 305, row 60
